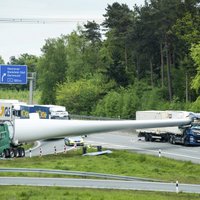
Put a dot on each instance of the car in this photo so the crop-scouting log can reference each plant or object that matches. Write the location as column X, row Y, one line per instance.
column 71, row 141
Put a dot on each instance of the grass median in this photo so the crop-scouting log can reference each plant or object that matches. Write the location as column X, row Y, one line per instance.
column 120, row 162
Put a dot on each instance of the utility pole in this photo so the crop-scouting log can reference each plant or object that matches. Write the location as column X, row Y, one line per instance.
column 31, row 78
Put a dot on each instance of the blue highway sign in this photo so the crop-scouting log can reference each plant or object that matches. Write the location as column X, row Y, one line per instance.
column 13, row 74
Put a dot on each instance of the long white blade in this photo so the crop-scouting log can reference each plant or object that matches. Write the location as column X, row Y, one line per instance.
column 37, row 129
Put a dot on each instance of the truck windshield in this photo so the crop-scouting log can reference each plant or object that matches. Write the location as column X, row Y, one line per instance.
column 10, row 129
column 196, row 126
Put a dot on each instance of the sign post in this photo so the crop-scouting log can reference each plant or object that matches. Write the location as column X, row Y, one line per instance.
column 13, row 74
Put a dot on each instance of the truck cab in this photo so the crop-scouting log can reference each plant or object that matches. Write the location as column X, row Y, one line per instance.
column 51, row 112
column 190, row 136
column 8, row 147
column 4, row 140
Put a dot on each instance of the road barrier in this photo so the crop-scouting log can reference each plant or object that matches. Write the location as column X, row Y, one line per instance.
column 159, row 153
column 40, row 152
column 55, row 151
column 65, row 148
column 177, row 190
column 30, row 153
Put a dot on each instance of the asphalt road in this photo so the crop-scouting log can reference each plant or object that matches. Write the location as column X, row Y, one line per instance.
column 100, row 184
column 125, row 140
column 115, row 140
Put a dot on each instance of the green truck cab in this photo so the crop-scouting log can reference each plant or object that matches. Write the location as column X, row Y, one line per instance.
column 8, row 149
column 4, row 140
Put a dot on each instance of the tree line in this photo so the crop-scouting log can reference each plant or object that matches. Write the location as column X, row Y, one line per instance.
column 140, row 58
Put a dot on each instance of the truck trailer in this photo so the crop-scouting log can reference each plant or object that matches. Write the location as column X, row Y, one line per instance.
column 51, row 112
column 187, row 134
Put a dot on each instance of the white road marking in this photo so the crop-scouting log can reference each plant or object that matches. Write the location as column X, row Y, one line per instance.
column 142, row 149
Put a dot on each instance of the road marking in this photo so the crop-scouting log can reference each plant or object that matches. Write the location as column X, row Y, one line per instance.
column 38, row 144
column 147, row 150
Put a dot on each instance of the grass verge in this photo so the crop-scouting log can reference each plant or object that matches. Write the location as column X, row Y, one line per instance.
column 119, row 163
column 59, row 193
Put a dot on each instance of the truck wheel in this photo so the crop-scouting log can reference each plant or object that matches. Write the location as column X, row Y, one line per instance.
column 167, row 138
column 185, row 142
column 16, row 153
column 170, row 140
column 7, row 153
column 11, row 153
column 21, row 152
column 3, row 155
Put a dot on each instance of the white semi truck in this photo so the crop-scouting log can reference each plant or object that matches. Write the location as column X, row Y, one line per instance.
column 187, row 134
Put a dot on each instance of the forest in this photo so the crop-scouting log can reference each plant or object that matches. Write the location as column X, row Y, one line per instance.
column 141, row 58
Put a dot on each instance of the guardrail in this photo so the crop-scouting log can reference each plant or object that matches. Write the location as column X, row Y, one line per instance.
column 78, row 173
column 82, row 117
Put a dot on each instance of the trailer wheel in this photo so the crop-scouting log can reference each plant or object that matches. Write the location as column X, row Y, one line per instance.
column 151, row 139
column 21, row 152
column 146, row 137
column 16, row 152
column 172, row 140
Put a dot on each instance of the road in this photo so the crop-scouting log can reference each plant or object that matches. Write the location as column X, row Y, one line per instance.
column 114, row 140
column 126, row 140
column 100, row 184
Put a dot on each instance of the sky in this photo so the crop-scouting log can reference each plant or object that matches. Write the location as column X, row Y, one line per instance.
column 19, row 38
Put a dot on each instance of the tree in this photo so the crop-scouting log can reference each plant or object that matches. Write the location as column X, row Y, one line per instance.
column 118, row 19
column 1, row 60
column 80, row 96
column 188, row 29
column 52, row 68
column 25, row 59
column 195, row 53
column 75, row 48
column 83, row 52
column 92, row 32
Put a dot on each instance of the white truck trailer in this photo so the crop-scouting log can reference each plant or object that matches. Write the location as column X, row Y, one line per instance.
column 186, row 134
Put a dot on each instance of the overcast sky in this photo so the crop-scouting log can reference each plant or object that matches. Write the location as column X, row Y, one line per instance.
column 19, row 38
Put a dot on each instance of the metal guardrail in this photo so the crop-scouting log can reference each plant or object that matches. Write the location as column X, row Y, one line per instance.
column 83, row 117
column 78, row 173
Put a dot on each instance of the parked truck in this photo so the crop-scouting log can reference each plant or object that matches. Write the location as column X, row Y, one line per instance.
column 184, row 134
column 25, row 111
column 22, row 110
column 51, row 112
column 8, row 147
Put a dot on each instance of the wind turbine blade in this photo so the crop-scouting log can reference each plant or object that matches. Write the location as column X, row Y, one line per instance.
column 37, row 129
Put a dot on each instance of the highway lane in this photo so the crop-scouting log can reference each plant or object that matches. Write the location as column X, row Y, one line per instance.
column 130, row 141
column 100, row 184
column 48, row 147
column 126, row 140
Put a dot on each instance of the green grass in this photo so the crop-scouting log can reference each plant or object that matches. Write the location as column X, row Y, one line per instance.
column 119, row 162
column 22, row 95
column 59, row 193
column 28, row 145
